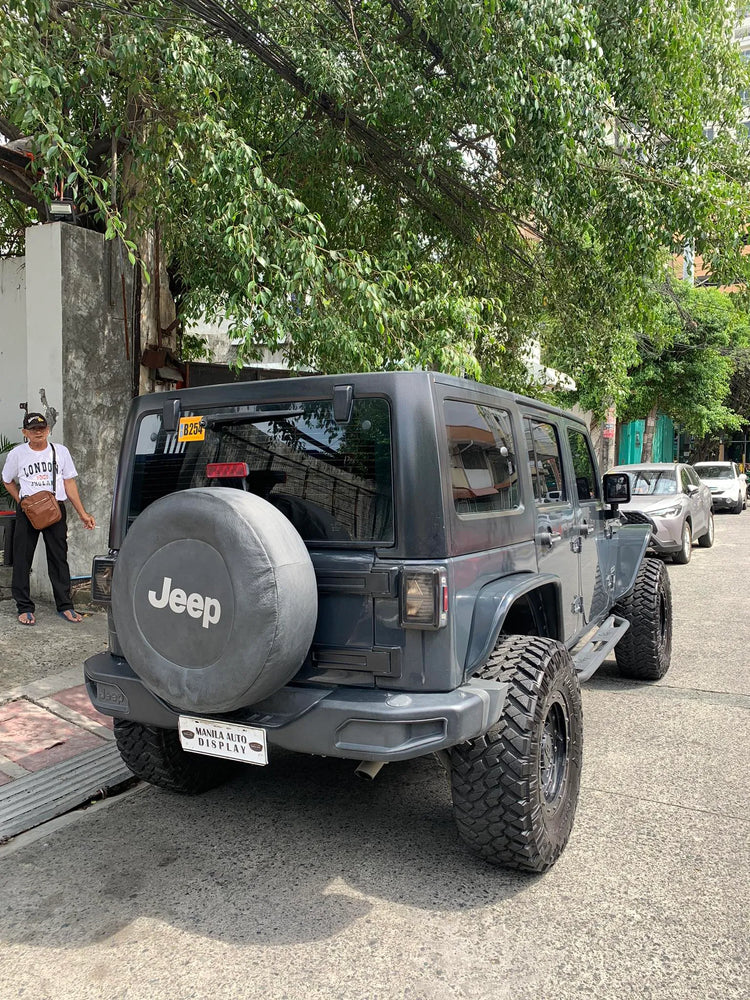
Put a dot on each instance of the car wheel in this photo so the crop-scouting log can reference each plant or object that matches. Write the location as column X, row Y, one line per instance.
column 739, row 506
column 155, row 755
column 707, row 540
column 515, row 788
column 645, row 651
column 686, row 549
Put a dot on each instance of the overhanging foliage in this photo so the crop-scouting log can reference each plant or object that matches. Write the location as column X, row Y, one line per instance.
column 388, row 183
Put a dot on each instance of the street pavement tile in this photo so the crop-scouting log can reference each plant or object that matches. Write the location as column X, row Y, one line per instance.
column 4, row 778
column 77, row 698
column 34, row 738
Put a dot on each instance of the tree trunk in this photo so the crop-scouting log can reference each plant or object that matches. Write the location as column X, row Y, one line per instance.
column 647, row 451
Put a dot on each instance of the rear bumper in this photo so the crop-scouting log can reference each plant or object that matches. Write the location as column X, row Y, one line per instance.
column 357, row 723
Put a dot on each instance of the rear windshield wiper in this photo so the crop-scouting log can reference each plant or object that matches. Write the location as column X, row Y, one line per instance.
column 256, row 417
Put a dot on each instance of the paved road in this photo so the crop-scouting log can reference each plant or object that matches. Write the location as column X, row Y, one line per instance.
column 299, row 881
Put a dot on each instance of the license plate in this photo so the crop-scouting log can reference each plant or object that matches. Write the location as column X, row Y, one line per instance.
column 223, row 739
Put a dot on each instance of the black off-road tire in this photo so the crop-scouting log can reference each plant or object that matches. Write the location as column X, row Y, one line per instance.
column 683, row 557
column 645, row 651
column 515, row 789
column 155, row 756
column 707, row 540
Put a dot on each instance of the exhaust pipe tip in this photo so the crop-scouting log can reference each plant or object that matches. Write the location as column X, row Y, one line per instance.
column 369, row 768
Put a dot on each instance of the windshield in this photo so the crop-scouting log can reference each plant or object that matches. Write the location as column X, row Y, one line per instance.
column 714, row 471
column 652, row 482
column 331, row 480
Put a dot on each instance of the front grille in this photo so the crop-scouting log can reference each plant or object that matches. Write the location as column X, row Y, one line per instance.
column 637, row 517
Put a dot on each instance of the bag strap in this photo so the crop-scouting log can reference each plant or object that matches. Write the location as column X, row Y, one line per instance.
column 54, row 471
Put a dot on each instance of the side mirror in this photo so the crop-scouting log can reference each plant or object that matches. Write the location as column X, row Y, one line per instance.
column 692, row 490
column 616, row 488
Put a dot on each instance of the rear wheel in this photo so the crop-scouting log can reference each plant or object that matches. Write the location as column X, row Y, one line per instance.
column 686, row 549
column 645, row 651
column 155, row 755
column 515, row 788
column 707, row 540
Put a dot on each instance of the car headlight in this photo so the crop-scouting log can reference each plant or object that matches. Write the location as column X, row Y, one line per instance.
column 668, row 511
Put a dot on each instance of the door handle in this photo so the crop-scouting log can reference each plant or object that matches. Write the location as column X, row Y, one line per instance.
column 547, row 538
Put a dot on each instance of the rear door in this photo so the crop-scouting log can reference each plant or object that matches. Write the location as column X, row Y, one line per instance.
column 556, row 517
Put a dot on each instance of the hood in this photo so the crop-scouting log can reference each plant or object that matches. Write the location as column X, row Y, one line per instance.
column 649, row 502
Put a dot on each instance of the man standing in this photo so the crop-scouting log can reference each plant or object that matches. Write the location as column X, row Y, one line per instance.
column 27, row 470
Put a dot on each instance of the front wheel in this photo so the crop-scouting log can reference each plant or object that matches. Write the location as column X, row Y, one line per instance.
column 515, row 788
column 645, row 651
column 739, row 506
column 686, row 548
column 707, row 540
column 155, row 755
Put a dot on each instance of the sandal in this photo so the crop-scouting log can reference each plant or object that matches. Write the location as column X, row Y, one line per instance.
column 65, row 616
column 26, row 618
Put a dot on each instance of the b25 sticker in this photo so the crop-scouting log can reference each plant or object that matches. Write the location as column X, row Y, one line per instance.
column 191, row 429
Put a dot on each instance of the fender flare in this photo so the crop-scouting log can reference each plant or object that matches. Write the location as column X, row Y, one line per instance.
column 632, row 542
column 491, row 608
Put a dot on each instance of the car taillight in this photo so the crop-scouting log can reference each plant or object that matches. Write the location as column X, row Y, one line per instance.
column 101, row 579
column 424, row 598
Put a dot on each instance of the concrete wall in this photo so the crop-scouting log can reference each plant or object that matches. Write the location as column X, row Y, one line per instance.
column 12, row 345
column 74, row 358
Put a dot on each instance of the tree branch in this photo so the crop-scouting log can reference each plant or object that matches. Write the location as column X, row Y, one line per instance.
column 21, row 191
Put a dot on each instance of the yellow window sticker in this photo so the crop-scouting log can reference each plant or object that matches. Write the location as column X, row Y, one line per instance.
column 191, row 429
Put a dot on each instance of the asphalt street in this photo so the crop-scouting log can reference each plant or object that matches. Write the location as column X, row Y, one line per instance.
column 301, row 881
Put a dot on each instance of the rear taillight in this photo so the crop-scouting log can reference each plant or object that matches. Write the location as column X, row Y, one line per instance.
column 101, row 579
column 424, row 598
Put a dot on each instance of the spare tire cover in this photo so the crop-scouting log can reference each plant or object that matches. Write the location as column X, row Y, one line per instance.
column 214, row 599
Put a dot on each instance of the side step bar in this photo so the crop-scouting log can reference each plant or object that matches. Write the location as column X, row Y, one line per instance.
column 590, row 657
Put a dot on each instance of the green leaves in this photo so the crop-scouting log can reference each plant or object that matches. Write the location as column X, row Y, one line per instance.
column 395, row 184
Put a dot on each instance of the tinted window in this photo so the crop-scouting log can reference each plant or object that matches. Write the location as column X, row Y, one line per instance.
column 545, row 462
column 484, row 471
column 332, row 481
column 685, row 480
column 587, row 481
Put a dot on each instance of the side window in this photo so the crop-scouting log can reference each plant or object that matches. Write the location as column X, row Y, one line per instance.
column 685, row 480
column 545, row 462
column 693, row 476
column 484, row 470
column 587, row 481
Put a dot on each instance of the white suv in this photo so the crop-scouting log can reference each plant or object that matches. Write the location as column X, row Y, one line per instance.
column 727, row 484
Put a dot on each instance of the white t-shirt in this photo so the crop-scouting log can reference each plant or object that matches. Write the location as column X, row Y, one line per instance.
column 33, row 469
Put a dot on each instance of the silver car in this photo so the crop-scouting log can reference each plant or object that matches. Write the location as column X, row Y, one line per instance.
column 675, row 502
column 727, row 484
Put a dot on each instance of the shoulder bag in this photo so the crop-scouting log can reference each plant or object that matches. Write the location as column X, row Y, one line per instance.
column 42, row 508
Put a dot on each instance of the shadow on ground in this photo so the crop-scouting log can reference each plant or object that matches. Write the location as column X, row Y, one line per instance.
column 281, row 855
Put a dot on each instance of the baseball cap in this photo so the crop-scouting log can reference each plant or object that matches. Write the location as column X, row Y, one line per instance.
column 34, row 421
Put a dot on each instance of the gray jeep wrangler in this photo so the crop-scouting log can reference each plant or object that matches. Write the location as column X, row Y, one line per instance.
column 376, row 567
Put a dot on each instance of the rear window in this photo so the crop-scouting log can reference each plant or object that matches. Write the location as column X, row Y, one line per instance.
column 484, row 470
column 332, row 481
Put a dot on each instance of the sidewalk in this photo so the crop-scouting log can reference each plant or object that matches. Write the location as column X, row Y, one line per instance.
column 56, row 750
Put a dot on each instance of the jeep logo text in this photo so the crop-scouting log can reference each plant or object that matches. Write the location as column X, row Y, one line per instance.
column 196, row 605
